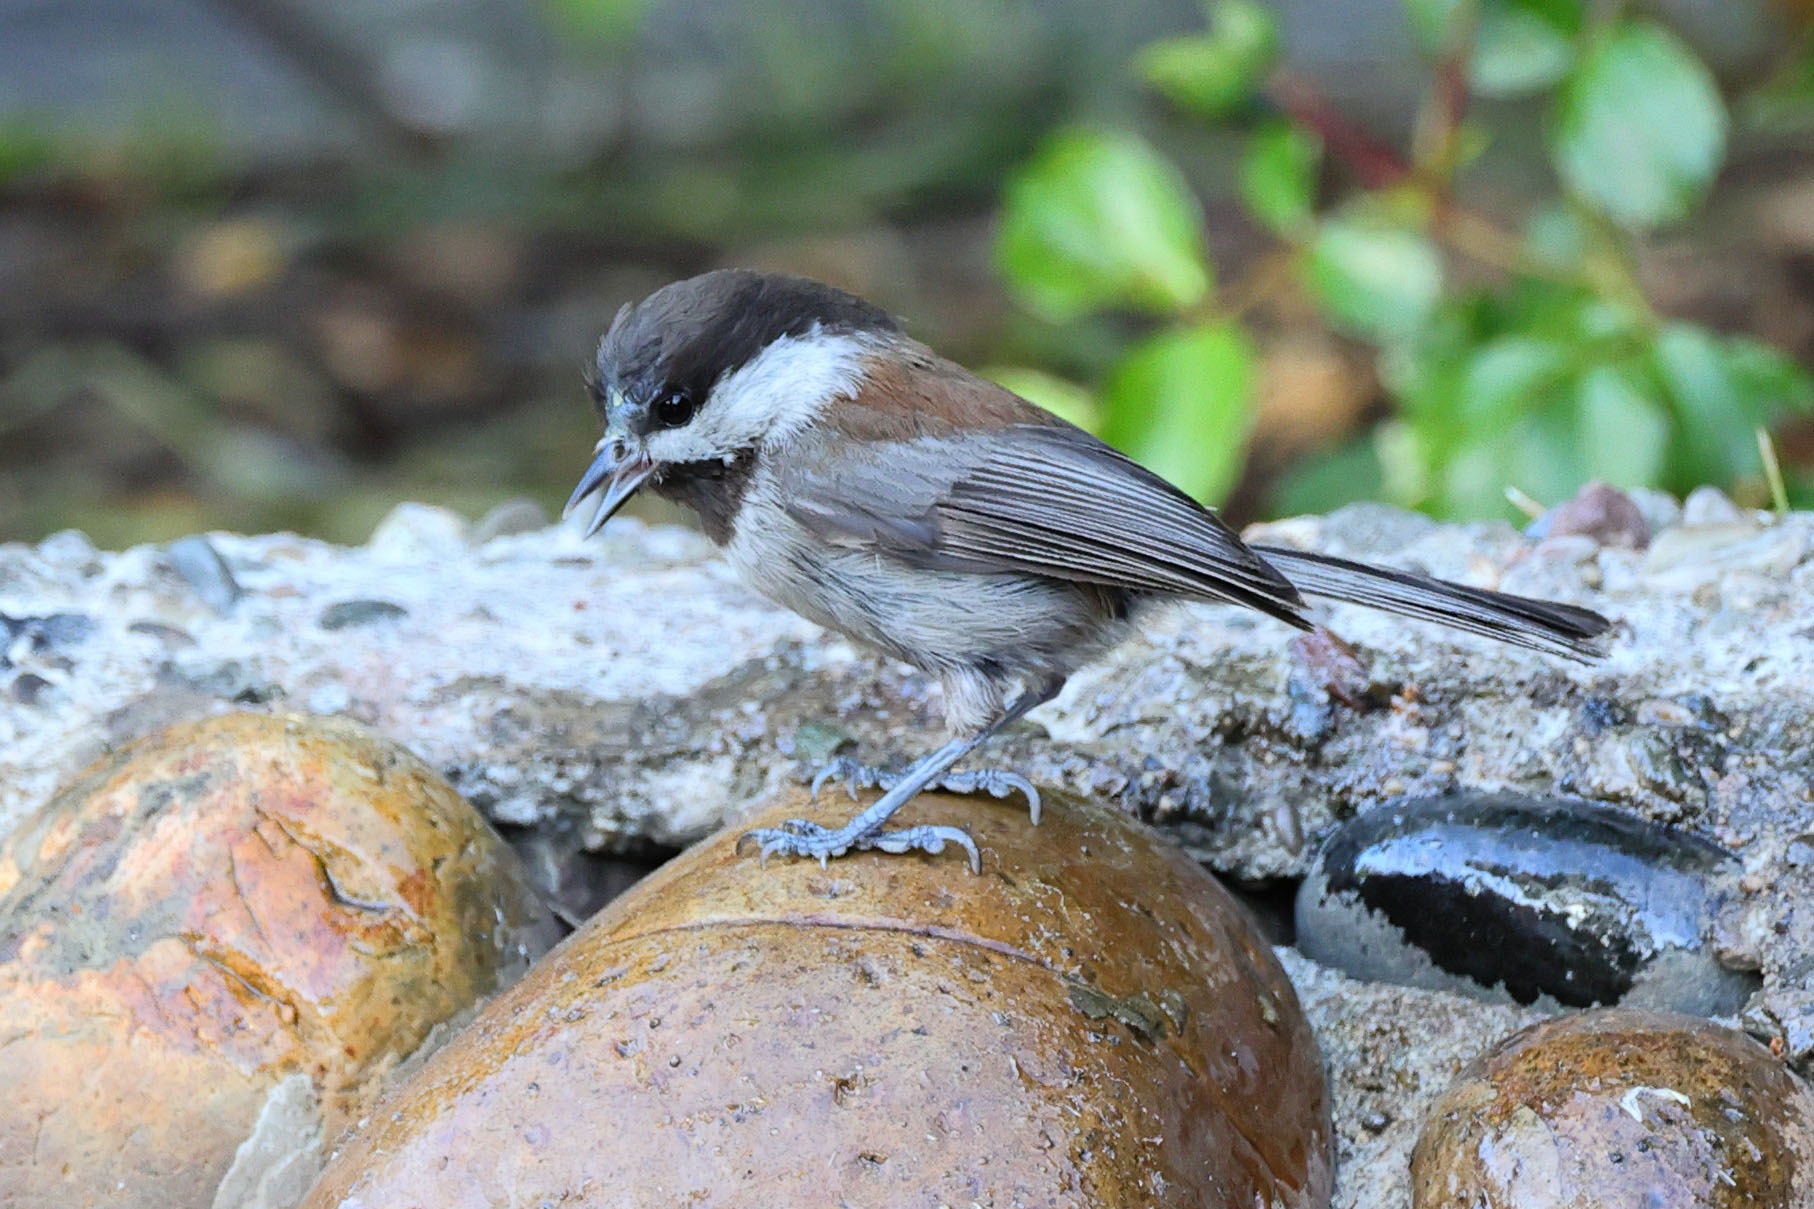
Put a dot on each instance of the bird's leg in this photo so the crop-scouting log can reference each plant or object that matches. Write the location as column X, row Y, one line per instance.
column 802, row 837
column 999, row 782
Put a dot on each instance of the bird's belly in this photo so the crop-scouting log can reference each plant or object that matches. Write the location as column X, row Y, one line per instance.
column 937, row 620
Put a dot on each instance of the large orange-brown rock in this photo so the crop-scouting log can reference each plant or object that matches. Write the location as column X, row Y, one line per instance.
column 1092, row 1021
column 220, row 910
column 1619, row 1107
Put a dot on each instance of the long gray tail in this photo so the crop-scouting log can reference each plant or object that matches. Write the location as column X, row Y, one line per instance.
column 1540, row 625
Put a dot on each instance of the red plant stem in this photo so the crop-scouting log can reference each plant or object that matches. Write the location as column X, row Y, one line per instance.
column 1375, row 164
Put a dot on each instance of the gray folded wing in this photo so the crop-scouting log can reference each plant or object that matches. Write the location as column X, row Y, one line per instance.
column 1038, row 499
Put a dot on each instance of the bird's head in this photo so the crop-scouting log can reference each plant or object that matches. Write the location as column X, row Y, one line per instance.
column 716, row 367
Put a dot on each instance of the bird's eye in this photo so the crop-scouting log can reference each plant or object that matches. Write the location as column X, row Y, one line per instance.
column 673, row 409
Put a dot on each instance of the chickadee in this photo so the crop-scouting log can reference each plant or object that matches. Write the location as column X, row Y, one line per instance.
column 868, row 484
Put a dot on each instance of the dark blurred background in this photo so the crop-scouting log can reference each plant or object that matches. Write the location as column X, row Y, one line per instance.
column 280, row 264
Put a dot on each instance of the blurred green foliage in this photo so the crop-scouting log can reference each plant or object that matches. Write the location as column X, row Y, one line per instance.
column 1102, row 220
column 1556, row 371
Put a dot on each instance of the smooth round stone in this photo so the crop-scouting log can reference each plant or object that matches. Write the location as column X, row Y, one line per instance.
column 1092, row 1021
column 1529, row 900
column 234, row 928
column 1616, row 1108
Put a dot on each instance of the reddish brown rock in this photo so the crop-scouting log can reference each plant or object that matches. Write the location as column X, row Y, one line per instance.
column 218, row 909
column 1618, row 1108
column 1603, row 513
column 1089, row 1022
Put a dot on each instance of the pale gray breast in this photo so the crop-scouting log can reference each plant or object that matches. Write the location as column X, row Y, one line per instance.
column 1012, row 623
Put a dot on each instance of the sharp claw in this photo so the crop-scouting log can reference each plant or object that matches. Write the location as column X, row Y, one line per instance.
column 855, row 776
column 802, row 837
column 838, row 767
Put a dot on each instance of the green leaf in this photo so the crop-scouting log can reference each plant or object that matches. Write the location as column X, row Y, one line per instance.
column 1519, row 46
column 1212, row 74
column 1278, row 176
column 1772, row 382
column 1518, row 50
column 1722, row 391
column 1325, row 483
column 1379, row 281
column 1622, row 429
column 1433, row 21
column 1471, row 483
column 1640, row 128
column 1542, row 456
column 1504, row 376
column 1404, row 464
column 1533, row 447
column 1101, row 220
column 1181, row 404
column 1557, row 236
column 1060, row 396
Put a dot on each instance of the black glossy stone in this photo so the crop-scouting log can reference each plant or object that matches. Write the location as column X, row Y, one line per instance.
column 1510, row 897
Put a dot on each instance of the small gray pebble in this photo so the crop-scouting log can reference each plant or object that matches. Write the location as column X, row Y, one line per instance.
column 511, row 516
column 202, row 568
column 27, row 687
column 58, row 629
column 169, row 635
column 348, row 613
column 1711, row 506
column 42, row 634
column 67, row 548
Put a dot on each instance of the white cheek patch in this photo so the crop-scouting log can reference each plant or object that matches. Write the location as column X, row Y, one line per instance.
column 777, row 393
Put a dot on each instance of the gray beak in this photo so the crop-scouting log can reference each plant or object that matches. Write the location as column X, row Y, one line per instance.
column 619, row 474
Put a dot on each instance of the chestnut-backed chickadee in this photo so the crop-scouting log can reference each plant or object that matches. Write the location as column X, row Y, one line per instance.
column 884, row 492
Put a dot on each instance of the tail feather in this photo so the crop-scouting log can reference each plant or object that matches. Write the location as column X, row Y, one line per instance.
column 1540, row 625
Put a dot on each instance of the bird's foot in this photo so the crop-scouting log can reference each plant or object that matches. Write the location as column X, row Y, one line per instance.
column 803, row 837
column 994, row 781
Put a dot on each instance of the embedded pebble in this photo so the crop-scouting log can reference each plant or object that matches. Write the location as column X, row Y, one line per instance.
column 1525, row 900
column 38, row 635
column 415, row 532
column 347, row 613
column 1659, row 509
column 1690, row 555
column 1617, row 1108
column 169, row 635
column 510, row 517
column 68, row 548
column 202, row 568
column 1605, row 514
column 206, row 915
column 1090, row 1022
column 1708, row 505
column 30, row 648
column 27, row 687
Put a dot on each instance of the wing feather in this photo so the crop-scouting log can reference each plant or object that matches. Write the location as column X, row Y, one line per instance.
column 1042, row 499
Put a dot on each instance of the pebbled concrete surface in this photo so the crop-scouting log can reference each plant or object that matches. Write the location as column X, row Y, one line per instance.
column 629, row 695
